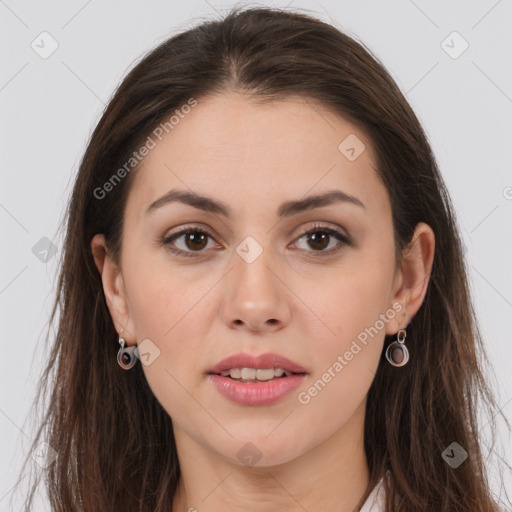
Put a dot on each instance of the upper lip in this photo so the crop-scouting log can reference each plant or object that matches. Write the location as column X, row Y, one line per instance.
column 267, row 360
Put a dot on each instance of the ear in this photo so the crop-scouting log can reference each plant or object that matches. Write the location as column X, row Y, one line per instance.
column 412, row 277
column 113, row 287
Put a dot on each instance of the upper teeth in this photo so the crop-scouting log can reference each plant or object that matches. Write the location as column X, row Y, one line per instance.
column 253, row 373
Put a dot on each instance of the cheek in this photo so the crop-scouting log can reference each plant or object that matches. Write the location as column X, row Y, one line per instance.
column 163, row 297
column 171, row 306
column 352, row 299
column 346, row 356
column 165, row 308
column 354, row 306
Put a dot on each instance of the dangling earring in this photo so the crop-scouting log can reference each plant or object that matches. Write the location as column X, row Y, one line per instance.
column 397, row 353
column 125, row 356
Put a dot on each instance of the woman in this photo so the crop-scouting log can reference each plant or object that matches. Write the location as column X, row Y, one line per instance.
column 263, row 300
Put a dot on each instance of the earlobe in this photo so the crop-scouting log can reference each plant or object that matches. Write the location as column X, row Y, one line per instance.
column 113, row 286
column 414, row 275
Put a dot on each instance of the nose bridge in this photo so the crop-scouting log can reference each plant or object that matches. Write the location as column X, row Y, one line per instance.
column 255, row 294
column 253, row 261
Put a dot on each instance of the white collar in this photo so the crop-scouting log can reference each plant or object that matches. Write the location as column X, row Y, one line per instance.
column 376, row 500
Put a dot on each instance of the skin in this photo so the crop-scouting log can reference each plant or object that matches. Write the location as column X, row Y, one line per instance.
column 290, row 300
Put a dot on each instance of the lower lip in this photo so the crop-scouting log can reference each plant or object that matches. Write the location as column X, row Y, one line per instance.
column 256, row 393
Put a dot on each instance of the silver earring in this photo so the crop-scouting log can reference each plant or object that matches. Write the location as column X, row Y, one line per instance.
column 397, row 353
column 125, row 355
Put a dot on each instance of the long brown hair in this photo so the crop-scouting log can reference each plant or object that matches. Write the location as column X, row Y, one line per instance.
column 114, row 442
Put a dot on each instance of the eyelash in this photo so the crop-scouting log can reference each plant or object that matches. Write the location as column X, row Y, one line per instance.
column 345, row 241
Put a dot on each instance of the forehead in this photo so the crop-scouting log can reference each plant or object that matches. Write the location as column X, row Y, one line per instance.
column 244, row 151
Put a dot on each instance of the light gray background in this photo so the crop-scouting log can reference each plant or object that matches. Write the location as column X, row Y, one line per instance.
column 49, row 107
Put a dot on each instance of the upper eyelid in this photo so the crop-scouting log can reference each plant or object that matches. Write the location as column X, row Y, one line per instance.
column 318, row 225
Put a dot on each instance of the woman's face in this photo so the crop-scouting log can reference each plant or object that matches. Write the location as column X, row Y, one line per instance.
column 256, row 283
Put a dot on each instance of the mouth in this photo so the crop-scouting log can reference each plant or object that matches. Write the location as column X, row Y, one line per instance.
column 248, row 368
column 262, row 380
column 256, row 375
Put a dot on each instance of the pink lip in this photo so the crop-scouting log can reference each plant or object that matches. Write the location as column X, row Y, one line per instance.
column 256, row 393
column 268, row 360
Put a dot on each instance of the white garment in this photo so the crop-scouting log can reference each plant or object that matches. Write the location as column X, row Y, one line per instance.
column 376, row 500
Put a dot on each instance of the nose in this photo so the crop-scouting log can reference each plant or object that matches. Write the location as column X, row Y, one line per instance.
column 256, row 297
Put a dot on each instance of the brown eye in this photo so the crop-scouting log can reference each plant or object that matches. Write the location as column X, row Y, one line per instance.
column 320, row 238
column 195, row 240
column 187, row 241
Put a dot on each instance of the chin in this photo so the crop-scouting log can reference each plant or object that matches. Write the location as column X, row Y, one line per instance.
column 260, row 451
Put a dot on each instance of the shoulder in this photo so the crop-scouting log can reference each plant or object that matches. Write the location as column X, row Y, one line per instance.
column 376, row 500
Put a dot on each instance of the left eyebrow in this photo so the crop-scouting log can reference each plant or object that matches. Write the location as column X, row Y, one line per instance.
column 287, row 209
column 317, row 201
